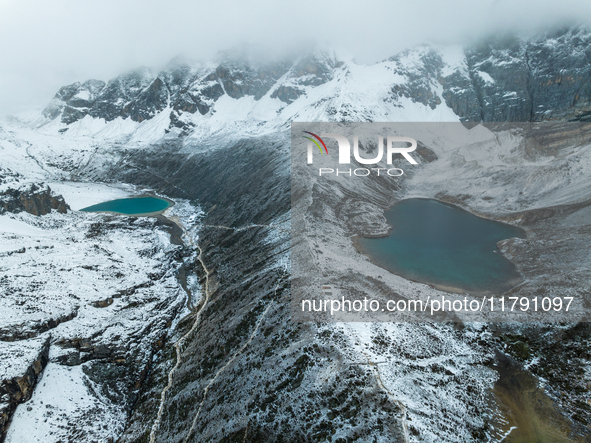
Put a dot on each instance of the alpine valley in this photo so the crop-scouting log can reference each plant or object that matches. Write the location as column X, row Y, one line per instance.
column 177, row 327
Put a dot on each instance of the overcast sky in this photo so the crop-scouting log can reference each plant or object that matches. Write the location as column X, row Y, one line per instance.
column 50, row 43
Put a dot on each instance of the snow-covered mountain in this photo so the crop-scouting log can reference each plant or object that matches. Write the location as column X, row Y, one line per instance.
column 506, row 79
column 96, row 303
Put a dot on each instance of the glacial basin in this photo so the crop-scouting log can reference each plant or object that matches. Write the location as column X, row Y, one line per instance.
column 443, row 245
column 134, row 206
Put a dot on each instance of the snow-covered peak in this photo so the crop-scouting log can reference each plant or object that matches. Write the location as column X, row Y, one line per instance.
column 502, row 79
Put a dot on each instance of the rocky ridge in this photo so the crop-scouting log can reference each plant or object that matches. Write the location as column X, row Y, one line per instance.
column 501, row 79
column 33, row 198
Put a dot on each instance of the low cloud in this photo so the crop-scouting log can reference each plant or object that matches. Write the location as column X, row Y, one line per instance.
column 49, row 44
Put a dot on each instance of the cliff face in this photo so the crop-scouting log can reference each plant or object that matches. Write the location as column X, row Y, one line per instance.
column 101, row 291
column 17, row 386
column 514, row 79
column 34, row 199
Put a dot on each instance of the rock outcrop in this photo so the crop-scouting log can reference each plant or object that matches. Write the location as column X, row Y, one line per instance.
column 33, row 198
column 516, row 79
column 17, row 387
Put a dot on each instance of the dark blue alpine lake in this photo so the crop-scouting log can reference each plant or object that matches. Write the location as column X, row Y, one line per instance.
column 131, row 206
column 441, row 244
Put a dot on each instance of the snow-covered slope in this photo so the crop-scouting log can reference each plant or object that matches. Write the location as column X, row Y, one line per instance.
column 89, row 295
column 97, row 302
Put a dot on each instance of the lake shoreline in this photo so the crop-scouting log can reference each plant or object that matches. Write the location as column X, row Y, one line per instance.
column 170, row 202
column 509, row 286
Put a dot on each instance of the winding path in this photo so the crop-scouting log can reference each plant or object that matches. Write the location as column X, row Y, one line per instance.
column 179, row 343
column 376, row 370
column 224, row 367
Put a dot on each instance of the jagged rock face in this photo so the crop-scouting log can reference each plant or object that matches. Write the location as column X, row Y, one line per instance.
column 115, row 99
column 34, row 199
column 240, row 79
column 512, row 79
column 234, row 78
column 18, row 388
column 309, row 71
column 140, row 96
column 150, row 101
column 74, row 101
column 421, row 80
column 200, row 96
column 501, row 79
column 560, row 87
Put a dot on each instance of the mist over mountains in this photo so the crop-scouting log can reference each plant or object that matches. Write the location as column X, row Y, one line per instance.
column 502, row 79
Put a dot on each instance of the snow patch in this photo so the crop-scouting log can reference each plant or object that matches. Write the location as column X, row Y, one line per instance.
column 59, row 408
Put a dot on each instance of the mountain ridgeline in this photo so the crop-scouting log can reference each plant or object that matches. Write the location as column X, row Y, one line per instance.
column 502, row 79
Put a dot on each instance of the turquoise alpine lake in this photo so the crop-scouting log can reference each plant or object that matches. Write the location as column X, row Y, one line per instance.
column 443, row 245
column 131, row 206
